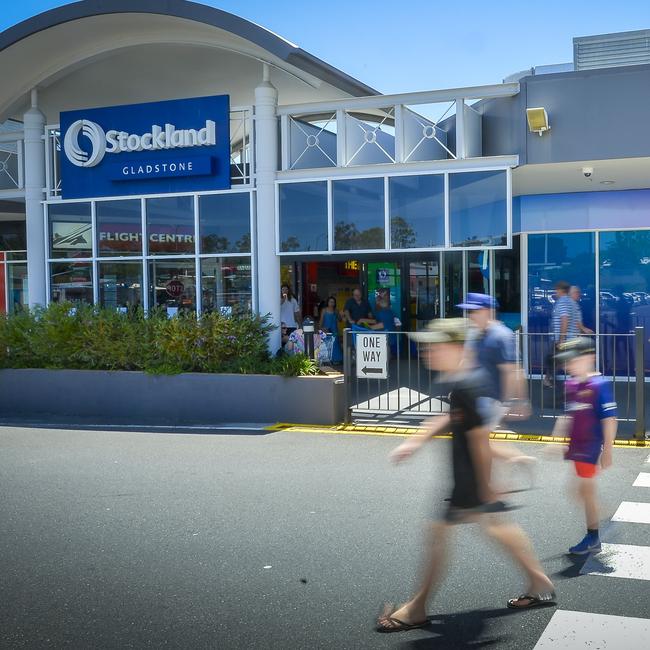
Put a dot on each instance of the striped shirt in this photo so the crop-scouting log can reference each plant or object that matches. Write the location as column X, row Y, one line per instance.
column 566, row 306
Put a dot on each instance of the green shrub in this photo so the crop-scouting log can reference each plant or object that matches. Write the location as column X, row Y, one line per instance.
column 91, row 338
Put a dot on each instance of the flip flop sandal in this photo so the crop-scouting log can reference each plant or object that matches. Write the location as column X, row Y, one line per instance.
column 388, row 623
column 533, row 600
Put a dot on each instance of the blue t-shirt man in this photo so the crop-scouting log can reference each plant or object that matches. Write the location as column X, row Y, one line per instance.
column 494, row 347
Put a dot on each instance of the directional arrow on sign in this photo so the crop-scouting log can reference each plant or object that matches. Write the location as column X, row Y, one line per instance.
column 367, row 371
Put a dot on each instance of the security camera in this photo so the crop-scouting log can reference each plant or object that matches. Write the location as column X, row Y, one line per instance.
column 587, row 171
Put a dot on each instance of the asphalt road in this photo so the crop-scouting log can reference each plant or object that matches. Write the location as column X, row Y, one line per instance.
column 281, row 540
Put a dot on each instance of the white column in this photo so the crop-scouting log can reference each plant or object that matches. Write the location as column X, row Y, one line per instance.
column 266, row 160
column 34, row 124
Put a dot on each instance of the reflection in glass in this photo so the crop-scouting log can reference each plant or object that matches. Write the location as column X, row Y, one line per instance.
column 226, row 285
column 120, row 284
column 17, row 286
column 225, row 223
column 358, row 213
column 119, row 227
column 559, row 256
column 477, row 209
column 624, row 280
column 70, row 230
column 417, row 211
column 303, row 216
column 507, row 284
column 453, row 261
column 172, row 285
column 71, row 282
column 554, row 257
column 170, row 225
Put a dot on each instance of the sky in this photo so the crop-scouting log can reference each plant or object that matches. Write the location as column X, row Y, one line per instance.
column 423, row 45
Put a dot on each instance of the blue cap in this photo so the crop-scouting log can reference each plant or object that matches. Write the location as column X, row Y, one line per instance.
column 478, row 301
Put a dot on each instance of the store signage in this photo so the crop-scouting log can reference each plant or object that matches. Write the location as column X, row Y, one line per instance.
column 171, row 146
column 175, row 288
column 372, row 355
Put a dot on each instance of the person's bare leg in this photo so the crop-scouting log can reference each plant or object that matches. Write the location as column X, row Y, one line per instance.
column 516, row 542
column 414, row 611
column 587, row 493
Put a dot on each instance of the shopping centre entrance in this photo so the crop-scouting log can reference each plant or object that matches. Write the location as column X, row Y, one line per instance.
column 418, row 287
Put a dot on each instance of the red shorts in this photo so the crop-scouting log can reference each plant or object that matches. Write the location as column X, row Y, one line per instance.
column 585, row 470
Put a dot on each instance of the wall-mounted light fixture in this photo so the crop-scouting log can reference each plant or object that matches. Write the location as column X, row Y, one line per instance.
column 537, row 120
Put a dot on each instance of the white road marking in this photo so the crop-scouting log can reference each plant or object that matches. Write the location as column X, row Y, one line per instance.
column 574, row 630
column 633, row 512
column 620, row 561
column 642, row 480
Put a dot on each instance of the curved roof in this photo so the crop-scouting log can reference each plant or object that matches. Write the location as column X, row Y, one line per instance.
column 193, row 11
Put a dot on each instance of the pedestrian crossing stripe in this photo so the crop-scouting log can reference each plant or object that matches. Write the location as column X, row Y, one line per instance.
column 633, row 512
column 620, row 561
column 568, row 630
column 642, row 480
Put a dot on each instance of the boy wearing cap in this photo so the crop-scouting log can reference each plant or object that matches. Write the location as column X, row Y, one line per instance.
column 591, row 425
column 472, row 498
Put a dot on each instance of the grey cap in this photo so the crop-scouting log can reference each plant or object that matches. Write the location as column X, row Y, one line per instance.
column 443, row 330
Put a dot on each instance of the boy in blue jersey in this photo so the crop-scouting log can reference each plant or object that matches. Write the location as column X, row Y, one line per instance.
column 591, row 422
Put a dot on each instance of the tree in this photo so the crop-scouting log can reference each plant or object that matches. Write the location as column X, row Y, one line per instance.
column 402, row 234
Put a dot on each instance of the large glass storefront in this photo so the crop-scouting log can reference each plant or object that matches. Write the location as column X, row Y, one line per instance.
column 612, row 270
column 153, row 252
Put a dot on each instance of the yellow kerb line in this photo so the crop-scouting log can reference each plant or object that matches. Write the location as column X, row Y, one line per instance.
column 403, row 432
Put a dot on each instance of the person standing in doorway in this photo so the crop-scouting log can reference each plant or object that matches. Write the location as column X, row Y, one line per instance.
column 357, row 310
column 329, row 323
column 575, row 293
column 473, row 498
column 289, row 309
column 564, row 321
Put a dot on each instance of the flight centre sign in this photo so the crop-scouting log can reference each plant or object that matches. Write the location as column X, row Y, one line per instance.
column 181, row 145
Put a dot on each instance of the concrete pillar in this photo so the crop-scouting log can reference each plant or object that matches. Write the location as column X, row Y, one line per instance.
column 266, row 161
column 34, row 151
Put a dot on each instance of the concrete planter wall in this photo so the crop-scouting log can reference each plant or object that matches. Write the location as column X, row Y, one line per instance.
column 118, row 397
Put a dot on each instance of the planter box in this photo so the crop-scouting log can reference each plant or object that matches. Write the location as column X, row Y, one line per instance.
column 120, row 397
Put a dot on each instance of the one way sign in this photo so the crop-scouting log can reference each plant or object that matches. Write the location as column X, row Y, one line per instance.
column 372, row 356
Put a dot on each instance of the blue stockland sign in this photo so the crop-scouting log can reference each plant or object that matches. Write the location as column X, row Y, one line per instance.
column 182, row 145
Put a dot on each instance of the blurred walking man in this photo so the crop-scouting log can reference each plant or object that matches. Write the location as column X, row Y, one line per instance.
column 472, row 497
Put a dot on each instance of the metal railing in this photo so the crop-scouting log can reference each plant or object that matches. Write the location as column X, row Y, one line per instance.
column 411, row 389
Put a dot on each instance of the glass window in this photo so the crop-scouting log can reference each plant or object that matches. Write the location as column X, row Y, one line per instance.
column 624, row 295
column 71, row 282
column 170, row 225
column 478, row 272
column 119, row 227
column 225, row 223
column 70, row 230
column 12, row 234
column 453, row 279
column 17, row 286
column 624, row 280
column 172, row 284
column 507, row 284
column 553, row 257
column 303, row 216
column 477, row 209
column 417, row 211
column 226, row 285
column 120, row 284
column 424, row 296
column 358, row 213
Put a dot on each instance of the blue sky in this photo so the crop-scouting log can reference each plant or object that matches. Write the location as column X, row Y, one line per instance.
column 422, row 45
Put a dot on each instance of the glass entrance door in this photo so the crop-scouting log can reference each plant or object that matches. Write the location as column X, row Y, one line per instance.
column 424, row 292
